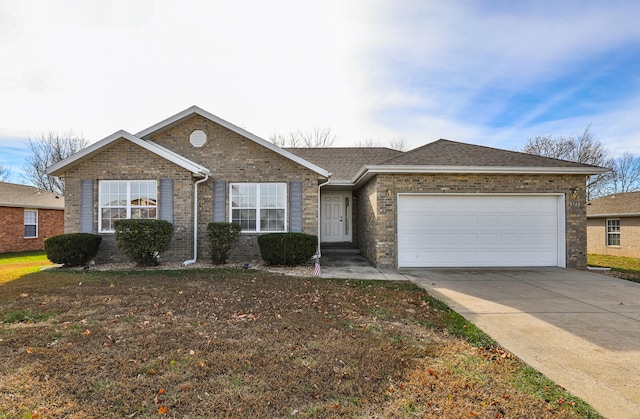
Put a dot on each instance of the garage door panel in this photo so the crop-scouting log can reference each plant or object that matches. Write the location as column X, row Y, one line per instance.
column 487, row 230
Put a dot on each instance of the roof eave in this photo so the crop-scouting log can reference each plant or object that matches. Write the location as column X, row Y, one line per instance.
column 197, row 110
column 374, row 169
column 59, row 168
column 615, row 214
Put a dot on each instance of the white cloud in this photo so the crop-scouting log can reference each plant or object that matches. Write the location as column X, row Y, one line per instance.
column 367, row 69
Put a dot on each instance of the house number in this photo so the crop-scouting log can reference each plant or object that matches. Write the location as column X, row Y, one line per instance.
column 574, row 204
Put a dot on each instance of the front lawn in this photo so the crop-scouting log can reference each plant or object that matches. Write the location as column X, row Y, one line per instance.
column 15, row 265
column 623, row 267
column 242, row 343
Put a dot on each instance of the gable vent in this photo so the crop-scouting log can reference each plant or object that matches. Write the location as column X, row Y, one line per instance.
column 198, row 138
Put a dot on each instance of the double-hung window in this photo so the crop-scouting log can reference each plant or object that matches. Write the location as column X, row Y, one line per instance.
column 30, row 224
column 259, row 207
column 613, row 232
column 123, row 199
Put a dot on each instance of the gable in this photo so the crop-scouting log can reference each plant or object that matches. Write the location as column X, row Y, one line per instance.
column 61, row 167
column 228, row 154
column 216, row 126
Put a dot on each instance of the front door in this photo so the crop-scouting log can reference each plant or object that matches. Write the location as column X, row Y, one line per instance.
column 335, row 217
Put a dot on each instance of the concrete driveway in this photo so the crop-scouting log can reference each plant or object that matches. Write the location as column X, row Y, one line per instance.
column 580, row 329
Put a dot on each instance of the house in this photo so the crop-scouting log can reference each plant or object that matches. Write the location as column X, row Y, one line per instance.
column 444, row 204
column 29, row 216
column 613, row 225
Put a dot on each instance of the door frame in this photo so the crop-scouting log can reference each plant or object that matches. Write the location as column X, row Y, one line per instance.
column 346, row 210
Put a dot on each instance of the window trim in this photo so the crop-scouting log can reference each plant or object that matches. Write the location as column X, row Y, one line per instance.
column 24, row 223
column 609, row 233
column 257, row 185
column 128, row 207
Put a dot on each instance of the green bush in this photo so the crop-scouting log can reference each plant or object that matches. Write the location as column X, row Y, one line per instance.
column 222, row 238
column 74, row 249
column 143, row 240
column 287, row 248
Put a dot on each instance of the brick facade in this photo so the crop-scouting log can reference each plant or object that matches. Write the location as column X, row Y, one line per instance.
column 50, row 223
column 230, row 157
column 629, row 237
column 376, row 206
column 233, row 158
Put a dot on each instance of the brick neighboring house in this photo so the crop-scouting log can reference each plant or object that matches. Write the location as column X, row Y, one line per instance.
column 29, row 216
column 613, row 225
column 443, row 204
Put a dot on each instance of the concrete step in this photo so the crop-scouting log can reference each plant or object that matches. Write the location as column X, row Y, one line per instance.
column 339, row 250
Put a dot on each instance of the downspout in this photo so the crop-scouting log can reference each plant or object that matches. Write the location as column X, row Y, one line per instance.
column 195, row 222
column 318, row 252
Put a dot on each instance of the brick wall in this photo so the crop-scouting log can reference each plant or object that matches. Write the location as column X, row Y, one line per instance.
column 629, row 237
column 126, row 161
column 231, row 158
column 378, row 239
column 234, row 158
column 50, row 223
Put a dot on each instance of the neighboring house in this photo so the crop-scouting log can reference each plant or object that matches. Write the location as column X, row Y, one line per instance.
column 444, row 204
column 29, row 215
column 613, row 225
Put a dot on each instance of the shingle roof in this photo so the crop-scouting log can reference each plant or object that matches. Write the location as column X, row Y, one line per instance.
column 23, row 196
column 345, row 162
column 615, row 204
column 452, row 153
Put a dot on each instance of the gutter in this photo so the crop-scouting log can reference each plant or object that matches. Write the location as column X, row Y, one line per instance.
column 433, row 169
column 318, row 254
column 195, row 222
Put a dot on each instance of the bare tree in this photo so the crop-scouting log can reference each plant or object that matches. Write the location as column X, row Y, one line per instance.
column 316, row 138
column 368, row 143
column 625, row 174
column 585, row 149
column 5, row 173
column 398, row 143
column 292, row 139
column 48, row 149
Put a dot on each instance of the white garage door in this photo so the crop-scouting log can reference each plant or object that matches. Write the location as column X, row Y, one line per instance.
column 480, row 230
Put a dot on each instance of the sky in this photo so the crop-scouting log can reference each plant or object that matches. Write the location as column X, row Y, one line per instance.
column 488, row 72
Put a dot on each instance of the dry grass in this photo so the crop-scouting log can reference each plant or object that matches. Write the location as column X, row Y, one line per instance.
column 621, row 266
column 237, row 343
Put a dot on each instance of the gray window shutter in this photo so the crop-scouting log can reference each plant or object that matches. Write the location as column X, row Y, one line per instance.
column 86, row 206
column 166, row 200
column 295, row 207
column 219, row 201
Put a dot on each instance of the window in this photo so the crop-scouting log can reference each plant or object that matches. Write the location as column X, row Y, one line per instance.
column 259, row 207
column 613, row 232
column 121, row 199
column 30, row 224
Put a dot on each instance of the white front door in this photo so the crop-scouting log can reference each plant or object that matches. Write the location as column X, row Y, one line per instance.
column 335, row 217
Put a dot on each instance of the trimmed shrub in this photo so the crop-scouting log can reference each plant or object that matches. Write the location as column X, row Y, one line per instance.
column 287, row 248
column 75, row 249
column 143, row 240
column 222, row 238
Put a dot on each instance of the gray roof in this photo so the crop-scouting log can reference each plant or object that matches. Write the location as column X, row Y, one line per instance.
column 452, row 153
column 23, row 196
column 443, row 155
column 619, row 204
column 345, row 162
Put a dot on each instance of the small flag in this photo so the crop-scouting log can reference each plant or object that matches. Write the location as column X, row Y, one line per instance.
column 316, row 270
